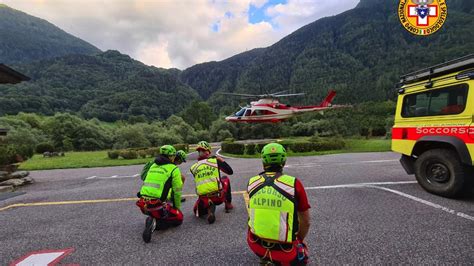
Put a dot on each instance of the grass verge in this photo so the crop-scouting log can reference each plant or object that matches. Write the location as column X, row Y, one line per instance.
column 77, row 160
column 352, row 145
column 100, row 159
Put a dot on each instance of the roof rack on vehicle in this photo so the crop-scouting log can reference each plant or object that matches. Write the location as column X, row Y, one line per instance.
column 458, row 64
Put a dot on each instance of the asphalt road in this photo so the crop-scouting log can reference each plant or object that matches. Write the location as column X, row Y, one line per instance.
column 388, row 219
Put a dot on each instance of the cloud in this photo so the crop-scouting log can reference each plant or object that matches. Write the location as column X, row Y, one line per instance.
column 156, row 53
column 258, row 3
column 168, row 33
column 296, row 13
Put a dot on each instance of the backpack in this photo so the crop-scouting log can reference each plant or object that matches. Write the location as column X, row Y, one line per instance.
column 145, row 169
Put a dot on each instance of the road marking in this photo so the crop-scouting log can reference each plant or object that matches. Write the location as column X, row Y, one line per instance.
column 361, row 185
column 380, row 161
column 52, row 203
column 111, row 177
column 375, row 185
column 320, row 164
column 220, row 155
column 43, row 257
column 429, row 203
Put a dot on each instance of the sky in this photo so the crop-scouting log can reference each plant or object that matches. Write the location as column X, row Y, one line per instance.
column 180, row 33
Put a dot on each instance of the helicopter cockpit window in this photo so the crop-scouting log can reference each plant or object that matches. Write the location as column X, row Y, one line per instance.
column 241, row 112
column 247, row 113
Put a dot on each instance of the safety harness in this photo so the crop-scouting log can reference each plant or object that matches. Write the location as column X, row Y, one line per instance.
column 270, row 245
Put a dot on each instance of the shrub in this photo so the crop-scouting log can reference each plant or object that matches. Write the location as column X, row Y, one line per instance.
column 315, row 138
column 153, row 152
column 379, row 132
column 44, row 147
column 329, row 144
column 220, row 125
column 259, row 147
column 223, row 134
column 233, row 148
column 229, row 140
column 203, row 135
column 142, row 153
column 130, row 137
column 128, row 154
column 113, row 154
column 7, row 155
column 22, row 142
column 302, row 147
column 250, row 149
column 68, row 132
column 337, row 143
column 302, row 129
column 166, row 137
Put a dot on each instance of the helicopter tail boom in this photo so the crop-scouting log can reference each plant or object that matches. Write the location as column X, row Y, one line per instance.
column 328, row 100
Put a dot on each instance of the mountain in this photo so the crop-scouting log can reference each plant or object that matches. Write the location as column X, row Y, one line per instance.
column 207, row 78
column 24, row 38
column 360, row 53
column 109, row 86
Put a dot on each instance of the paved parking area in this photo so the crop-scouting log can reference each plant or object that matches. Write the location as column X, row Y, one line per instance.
column 365, row 209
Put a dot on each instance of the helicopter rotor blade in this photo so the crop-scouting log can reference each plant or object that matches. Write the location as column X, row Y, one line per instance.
column 288, row 95
column 238, row 94
column 280, row 92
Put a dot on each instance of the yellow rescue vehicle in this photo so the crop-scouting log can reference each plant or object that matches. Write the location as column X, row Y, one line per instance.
column 434, row 128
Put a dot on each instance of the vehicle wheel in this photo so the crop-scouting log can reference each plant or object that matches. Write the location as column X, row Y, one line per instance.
column 470, row 181
column 150, row 226
column 439, row 171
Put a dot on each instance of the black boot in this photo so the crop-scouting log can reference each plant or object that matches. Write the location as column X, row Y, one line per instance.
column 150, row 226
column 211, row 217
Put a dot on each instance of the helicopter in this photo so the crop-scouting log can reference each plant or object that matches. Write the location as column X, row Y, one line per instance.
column 269, row 109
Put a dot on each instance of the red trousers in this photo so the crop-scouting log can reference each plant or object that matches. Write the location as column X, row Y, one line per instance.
column 278, row 254
column 162, row 212
column 224, row 195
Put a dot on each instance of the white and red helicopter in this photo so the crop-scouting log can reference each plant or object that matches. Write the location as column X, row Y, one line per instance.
column 269, row 109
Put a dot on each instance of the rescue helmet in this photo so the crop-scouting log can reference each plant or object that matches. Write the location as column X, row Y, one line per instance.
column 203, row 145
column 273, row 154
column 181, row 155
column 167, row 150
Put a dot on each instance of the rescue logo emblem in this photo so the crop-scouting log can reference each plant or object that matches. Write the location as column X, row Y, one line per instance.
column 422, row 17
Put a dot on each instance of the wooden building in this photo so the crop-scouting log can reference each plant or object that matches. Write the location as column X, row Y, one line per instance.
column 9, row 76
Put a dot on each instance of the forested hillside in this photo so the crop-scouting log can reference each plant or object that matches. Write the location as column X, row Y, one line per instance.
column 24, row 38
column 360, row 53
column 109, row 86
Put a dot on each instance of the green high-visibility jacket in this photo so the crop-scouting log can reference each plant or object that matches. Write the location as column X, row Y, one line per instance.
column 272, row 210
column 206, row 176
column 160, row 180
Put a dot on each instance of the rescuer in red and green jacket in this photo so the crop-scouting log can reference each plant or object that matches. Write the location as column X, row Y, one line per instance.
column 212, row 188
column 161, row 178
column 278, row 212
column 180, row 159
